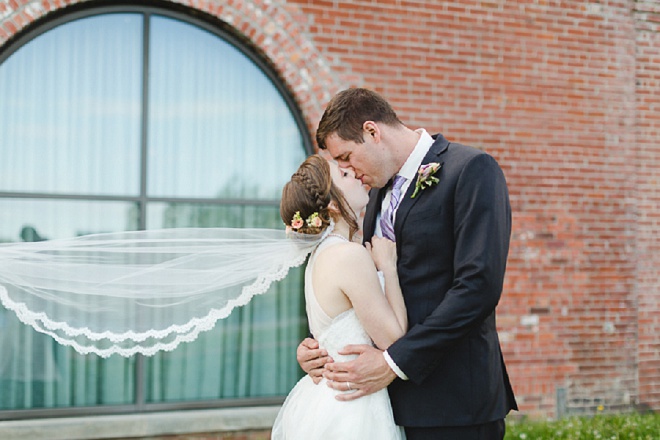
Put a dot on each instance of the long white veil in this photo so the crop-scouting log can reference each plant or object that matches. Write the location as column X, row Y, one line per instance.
column 143, row 291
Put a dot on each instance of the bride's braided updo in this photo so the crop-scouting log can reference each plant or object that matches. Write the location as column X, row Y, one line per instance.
column 310, row 191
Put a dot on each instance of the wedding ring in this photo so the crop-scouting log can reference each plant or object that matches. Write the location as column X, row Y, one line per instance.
column 348, row 385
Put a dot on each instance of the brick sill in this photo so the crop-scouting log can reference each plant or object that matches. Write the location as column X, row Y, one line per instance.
column 140, row 425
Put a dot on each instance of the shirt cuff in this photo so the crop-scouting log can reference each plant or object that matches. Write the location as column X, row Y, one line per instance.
column 394, row 366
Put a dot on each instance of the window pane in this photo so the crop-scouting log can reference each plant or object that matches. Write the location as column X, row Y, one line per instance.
column 252, row 353
column 70, row 96
column 184, row 215
column 218, row 127
column 33, row 219
column 35, row 371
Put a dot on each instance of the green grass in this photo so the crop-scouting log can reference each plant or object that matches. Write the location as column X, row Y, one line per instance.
column 599, row 427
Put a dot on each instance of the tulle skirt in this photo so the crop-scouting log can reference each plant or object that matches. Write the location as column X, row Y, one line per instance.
column 311, row 412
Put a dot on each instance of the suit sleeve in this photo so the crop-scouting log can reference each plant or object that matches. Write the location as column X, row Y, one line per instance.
column 482, row 228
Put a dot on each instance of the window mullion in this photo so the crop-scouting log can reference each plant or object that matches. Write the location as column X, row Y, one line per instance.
column 140, row 370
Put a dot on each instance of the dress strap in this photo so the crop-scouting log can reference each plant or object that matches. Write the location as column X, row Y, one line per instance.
column 318, row 319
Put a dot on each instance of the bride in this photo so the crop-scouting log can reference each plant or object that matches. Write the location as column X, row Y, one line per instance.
column 344, row 301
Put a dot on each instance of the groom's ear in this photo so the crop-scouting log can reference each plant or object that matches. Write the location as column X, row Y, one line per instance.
column 371, row 130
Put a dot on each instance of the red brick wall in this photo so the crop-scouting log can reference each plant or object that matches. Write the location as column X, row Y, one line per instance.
column 566, row 96
column 647, row 16
column 549, row 89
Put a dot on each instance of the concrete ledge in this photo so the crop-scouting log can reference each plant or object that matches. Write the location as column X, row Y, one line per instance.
column 140, row 425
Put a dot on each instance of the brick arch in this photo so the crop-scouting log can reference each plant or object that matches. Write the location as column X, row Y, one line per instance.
column 272, row 27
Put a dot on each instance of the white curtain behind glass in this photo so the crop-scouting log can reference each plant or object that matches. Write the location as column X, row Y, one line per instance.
column 70, row 97
column 70, row 123
column 218, row 127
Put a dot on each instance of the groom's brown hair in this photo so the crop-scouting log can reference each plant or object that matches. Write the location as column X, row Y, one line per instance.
column 348, row 110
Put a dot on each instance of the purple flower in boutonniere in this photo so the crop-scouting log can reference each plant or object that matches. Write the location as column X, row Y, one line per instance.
column 425, row 177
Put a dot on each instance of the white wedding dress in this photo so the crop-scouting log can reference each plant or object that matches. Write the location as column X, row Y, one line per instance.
column 310, row 411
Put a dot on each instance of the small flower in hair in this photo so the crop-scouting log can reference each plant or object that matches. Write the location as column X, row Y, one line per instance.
column 314, row 221
column 297, row 221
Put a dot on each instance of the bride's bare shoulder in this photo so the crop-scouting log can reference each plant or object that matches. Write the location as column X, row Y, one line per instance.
column 345, row 254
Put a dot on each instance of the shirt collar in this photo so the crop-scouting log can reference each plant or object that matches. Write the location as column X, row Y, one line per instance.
column 414, row 161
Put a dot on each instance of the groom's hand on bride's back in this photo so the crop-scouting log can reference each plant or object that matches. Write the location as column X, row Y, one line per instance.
column 366, row 374
column 312, row 359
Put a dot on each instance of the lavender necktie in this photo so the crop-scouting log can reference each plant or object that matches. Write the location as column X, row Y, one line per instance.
column 387, row 217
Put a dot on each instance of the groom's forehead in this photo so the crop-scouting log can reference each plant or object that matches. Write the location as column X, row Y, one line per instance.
column 339, row 148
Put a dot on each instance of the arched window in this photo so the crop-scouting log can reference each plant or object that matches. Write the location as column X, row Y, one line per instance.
column 129, row 118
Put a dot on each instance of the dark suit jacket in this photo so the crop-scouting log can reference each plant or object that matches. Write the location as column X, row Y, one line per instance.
column 452, row 243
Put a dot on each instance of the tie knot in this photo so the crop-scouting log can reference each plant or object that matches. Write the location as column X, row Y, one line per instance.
column 398, row 182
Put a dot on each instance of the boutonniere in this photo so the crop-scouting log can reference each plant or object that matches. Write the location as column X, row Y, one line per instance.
column 425, row 177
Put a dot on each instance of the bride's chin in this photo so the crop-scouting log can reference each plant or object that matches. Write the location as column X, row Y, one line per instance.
column 358, row 210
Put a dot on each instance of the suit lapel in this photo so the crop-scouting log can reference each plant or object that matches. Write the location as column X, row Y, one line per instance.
column 376, row 196
column 439, row 146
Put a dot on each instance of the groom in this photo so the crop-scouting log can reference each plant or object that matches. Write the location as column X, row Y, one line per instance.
column 446, row 376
